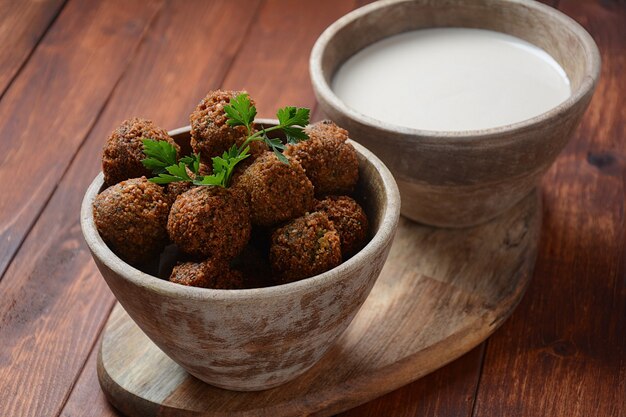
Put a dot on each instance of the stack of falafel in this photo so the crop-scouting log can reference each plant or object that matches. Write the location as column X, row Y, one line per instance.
column 276, row 223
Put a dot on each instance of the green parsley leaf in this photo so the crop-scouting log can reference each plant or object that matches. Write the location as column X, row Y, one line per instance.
column 175, row 173
column 159, row 155
column 277, row 146
column 164, row 179
column 192, row 162
column 240, row 111
column 223, row 167
column 293, row 116
column 292, row 121
column 274, row 143
column 294, row 134
column 179, row 170
column 215, row 179
column 282, row 158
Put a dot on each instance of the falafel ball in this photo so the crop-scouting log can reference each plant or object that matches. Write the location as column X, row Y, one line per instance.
column 327, row 128
column 211, row 222
column 306, row 246
column 278, row 192
column 210, row 134
column 123, row 150
column 211, row 273
column 131, row 217
column 329, row 161
column 349, row 220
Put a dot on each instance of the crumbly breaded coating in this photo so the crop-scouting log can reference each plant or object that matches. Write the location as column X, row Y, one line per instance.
column 123, row 150
column 349, row 220
column 329, row 161
column 304, row 247
column 277, row 191
column 210, row 221
column 327, row 128
column 174, row 189
column 131, row 217
column 210, row 135
column 211, row 273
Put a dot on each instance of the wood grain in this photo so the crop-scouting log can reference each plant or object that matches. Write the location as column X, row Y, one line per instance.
column 441, row 292
column 54, row 302
column 274, row 64
column 22, row 24
column 448, row 391
column 564, row 352
column 72, row 73
column 592, row 251
column 87, row 391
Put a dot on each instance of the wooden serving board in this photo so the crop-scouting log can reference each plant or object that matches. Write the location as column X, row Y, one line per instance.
column 441, row 293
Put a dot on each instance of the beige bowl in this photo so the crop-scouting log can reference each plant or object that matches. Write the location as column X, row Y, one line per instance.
column 460, row 179
column 257, row 338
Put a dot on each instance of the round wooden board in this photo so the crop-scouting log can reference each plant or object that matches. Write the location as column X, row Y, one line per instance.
column 441, row 293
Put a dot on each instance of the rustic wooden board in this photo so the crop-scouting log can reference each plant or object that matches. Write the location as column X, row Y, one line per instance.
column 441, row 293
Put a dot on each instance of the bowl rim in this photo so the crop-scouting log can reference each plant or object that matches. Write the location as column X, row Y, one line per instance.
column 377, row 243
column 324, row 91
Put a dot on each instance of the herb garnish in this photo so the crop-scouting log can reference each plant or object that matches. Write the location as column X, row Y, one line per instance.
column 161, row 157
column 291, row 120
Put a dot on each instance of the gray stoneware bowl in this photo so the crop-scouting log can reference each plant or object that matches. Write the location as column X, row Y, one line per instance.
column 457, row 179
column 253, row 339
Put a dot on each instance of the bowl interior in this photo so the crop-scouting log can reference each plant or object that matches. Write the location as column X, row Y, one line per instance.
column 566, row 41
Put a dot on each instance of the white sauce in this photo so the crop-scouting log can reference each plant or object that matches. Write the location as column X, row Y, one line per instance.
column 451, row 79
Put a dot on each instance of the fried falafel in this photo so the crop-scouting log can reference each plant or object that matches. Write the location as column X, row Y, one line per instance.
column 211, row 273
column 327, row 128
column 210, row 134
column 349, row 220
column 329, row 160
column 210, row 222
column 278, row 192
column 123, row 150
column 131, row 217
column 306, row 246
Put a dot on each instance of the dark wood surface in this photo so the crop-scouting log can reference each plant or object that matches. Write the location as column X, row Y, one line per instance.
column 72, row 70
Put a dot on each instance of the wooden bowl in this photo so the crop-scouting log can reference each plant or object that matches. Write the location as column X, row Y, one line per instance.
column 253, row 339
column 457, row 179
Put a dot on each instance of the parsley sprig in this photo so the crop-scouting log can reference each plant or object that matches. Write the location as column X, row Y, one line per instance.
column 160, row 155
column 291, row 120
column 162, row 159
column 223, row 167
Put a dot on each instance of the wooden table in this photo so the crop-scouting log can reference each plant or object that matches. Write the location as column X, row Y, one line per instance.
column 72, row 70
